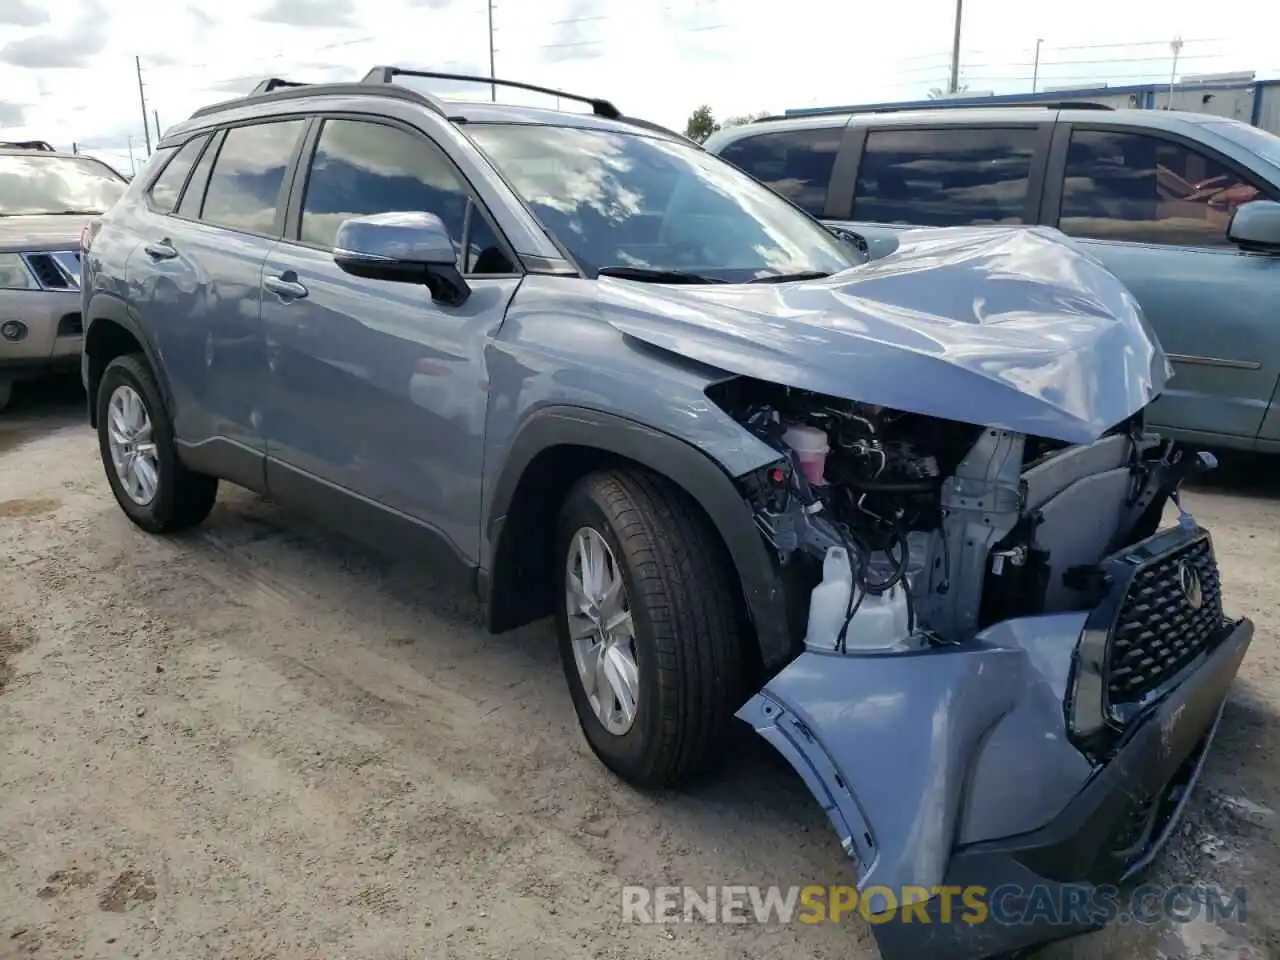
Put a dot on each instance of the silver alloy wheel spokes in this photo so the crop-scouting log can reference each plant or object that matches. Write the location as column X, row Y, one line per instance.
column 133, row 449
column 602, row 631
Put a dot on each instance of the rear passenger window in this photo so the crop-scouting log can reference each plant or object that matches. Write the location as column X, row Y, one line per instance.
column 198, row 182
column 362, row 168
column 945, row 177
column 244, row 188
column 1129, row 186
column 164, row 192
column 794, row 163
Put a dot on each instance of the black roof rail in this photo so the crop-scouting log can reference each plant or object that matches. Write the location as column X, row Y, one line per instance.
column 43, row 145
column 601, row 108
column 299, row 90
column 942, row 105
column 274, row 83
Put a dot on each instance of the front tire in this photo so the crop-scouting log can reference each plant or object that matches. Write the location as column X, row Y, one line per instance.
column 649, row 627
column 135, row 437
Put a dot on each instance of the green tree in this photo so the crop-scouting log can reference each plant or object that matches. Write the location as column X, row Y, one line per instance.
column 745, row 118
column 701, row 124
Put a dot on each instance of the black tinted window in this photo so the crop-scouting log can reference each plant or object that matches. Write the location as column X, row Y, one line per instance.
column 193, row 196
column 944, row 177
column 365, row 168
column 244, row 189
column 1127, row 186
column 795, row 163
column 164, row 192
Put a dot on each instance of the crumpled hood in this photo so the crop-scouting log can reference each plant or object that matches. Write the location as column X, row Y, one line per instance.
column 1015, row 328
column 33, row 234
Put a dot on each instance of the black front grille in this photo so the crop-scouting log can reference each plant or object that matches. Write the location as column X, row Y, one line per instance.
column 1159, row 629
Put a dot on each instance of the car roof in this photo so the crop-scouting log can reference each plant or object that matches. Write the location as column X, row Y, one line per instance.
column 380, row 83
column 1171, row 120
column 19, row 152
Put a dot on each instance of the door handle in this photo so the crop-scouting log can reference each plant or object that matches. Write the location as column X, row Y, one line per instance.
column 160, row 251
column 285, row 287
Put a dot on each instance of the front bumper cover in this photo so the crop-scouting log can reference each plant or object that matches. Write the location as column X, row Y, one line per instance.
column 1108, row 834
column 899, row 750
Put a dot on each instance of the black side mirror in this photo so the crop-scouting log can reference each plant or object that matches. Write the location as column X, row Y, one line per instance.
column 1255, row 227
column 853, row 239
column 408, row 247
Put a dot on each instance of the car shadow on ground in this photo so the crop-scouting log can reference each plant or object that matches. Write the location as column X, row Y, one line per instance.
column 1242, row 474
column 41, row 405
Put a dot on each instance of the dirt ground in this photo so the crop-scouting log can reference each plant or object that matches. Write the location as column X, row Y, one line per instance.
column 255, row 741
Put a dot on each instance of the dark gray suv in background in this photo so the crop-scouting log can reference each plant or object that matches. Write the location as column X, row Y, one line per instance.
column 902, row 517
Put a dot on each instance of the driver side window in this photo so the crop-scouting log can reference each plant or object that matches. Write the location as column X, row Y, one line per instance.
column 362, row 168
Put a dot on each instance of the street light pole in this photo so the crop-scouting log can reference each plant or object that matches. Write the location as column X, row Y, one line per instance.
column 142, row 98
column 133, row 165
column 493, row 87
column 1035, row 67
column 1176, row 47
column 954, row 85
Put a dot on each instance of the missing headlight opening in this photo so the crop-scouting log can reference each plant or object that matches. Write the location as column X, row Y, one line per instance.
column 903, row 531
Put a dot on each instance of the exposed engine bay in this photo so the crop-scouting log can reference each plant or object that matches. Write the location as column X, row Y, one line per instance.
column 903, row 530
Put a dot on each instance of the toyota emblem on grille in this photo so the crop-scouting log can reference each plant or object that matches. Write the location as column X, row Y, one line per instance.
column 1189, row 580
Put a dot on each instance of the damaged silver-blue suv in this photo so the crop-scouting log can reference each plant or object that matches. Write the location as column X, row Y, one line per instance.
column 902, row 517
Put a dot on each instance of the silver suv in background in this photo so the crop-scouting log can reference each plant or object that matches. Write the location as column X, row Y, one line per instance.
column 46, row 200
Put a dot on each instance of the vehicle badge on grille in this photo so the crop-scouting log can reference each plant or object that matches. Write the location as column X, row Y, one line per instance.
column 1189, row 581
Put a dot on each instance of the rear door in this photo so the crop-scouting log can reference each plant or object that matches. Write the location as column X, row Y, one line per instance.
column 942, row 175
column 1153, row 207
column 200, row 274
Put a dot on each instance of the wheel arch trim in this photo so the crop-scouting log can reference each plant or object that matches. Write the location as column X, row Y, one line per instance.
column 684, row 465
column 106, row 307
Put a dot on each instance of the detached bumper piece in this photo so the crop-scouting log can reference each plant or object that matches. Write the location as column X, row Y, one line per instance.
column 1108, row 834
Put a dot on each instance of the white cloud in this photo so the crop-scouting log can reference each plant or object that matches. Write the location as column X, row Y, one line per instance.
column 656, row 60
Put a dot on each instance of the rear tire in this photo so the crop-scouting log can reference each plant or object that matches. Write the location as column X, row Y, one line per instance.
column 157, row 492
column 679, row 597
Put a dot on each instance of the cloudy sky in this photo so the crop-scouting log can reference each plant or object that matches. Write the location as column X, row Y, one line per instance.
column 67, row 66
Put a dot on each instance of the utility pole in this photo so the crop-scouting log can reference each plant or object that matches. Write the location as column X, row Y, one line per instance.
column 142, row 98
column 493, row 87
column 156, row 114
column 75, row 148
column 954, row 85
column 1035, row 67
column 1176, row 47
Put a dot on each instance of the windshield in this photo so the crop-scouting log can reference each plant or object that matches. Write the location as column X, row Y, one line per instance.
column 1253, row 139
column 43, row 184
column 627, row 201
